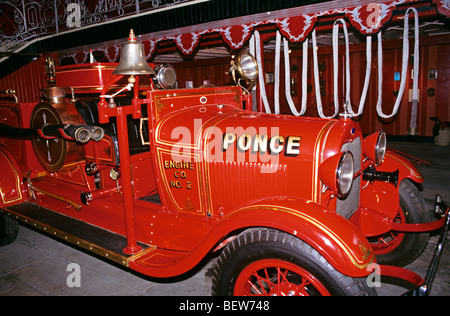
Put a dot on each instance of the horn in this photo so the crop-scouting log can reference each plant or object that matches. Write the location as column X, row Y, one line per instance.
column 132, row 59
column 370, row 174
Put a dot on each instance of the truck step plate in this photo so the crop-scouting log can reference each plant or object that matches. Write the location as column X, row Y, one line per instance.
column 94, row 239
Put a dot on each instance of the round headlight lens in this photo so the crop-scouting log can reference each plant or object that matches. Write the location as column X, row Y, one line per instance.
column 380, row 148
column 165, row 77
column 247, row 66
column 344, row 174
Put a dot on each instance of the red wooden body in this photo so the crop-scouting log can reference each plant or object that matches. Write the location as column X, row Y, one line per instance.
column 215, row 169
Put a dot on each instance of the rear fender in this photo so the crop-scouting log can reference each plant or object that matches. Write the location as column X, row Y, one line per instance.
column 11, row 180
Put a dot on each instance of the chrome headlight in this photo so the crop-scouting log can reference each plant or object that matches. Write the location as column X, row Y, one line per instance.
column 247, row 66
column 336, row 173
column 375, row 147
column 244, row 70
column 380, row 148
column 165, row 77
column 344, row 174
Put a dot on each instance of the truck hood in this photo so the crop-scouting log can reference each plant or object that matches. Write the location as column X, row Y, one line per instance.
column 244, row 156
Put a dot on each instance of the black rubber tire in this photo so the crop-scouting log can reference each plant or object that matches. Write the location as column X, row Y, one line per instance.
column 415, row 211
column 8, row 230
column 257, row 244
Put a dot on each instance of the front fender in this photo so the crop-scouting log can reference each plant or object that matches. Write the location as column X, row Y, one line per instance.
column 11, row 183
column 336, row 239
column 380, row 201
column 394, row 161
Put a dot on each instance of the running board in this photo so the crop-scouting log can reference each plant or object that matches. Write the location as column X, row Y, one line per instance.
column 92, row 238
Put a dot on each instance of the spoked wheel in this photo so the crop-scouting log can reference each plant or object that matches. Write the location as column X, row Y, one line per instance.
column 388, row 242
column 397, row 248
column 274, row 277
column 268, row 262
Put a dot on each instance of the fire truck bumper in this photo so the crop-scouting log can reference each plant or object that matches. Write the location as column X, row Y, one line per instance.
column 422, row 286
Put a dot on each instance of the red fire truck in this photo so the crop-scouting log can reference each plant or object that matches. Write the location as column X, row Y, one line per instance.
column 117, row 161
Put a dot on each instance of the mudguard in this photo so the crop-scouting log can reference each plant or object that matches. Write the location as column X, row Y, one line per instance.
column 380, row 201
column 336, row 239
column 11, row 180
column 394, row 161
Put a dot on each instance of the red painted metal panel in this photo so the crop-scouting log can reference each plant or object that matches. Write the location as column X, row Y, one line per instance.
column 26, row 81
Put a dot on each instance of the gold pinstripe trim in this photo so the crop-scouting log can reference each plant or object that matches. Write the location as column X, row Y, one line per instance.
column 165, row 181
column 159, row 99
column 202, row 168
column 75, row 240
column 210, row 128
column 355, row 261
column 197, row 138
column 318, row 156
column 18, row 188
column 417, row 175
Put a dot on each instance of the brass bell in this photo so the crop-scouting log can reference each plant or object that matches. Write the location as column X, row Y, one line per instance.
column 132, row 59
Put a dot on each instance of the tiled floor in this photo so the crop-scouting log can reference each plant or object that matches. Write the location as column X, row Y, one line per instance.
column 36, row 264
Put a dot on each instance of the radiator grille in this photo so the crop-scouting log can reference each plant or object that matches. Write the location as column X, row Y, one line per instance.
column 348, row 205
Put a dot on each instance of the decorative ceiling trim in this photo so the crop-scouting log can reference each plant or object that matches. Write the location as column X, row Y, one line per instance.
column 295, row 24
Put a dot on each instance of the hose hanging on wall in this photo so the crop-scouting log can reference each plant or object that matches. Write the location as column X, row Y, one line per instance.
column 287, row 68
column 362, row 101
column 277, row 74
column 262, row 88
column 347, row 69
column 415, row 96
column 405, row 57
column 287, row 72
column 287, row 77
column 316, row 80
column 335, row 64
column 251, row 47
